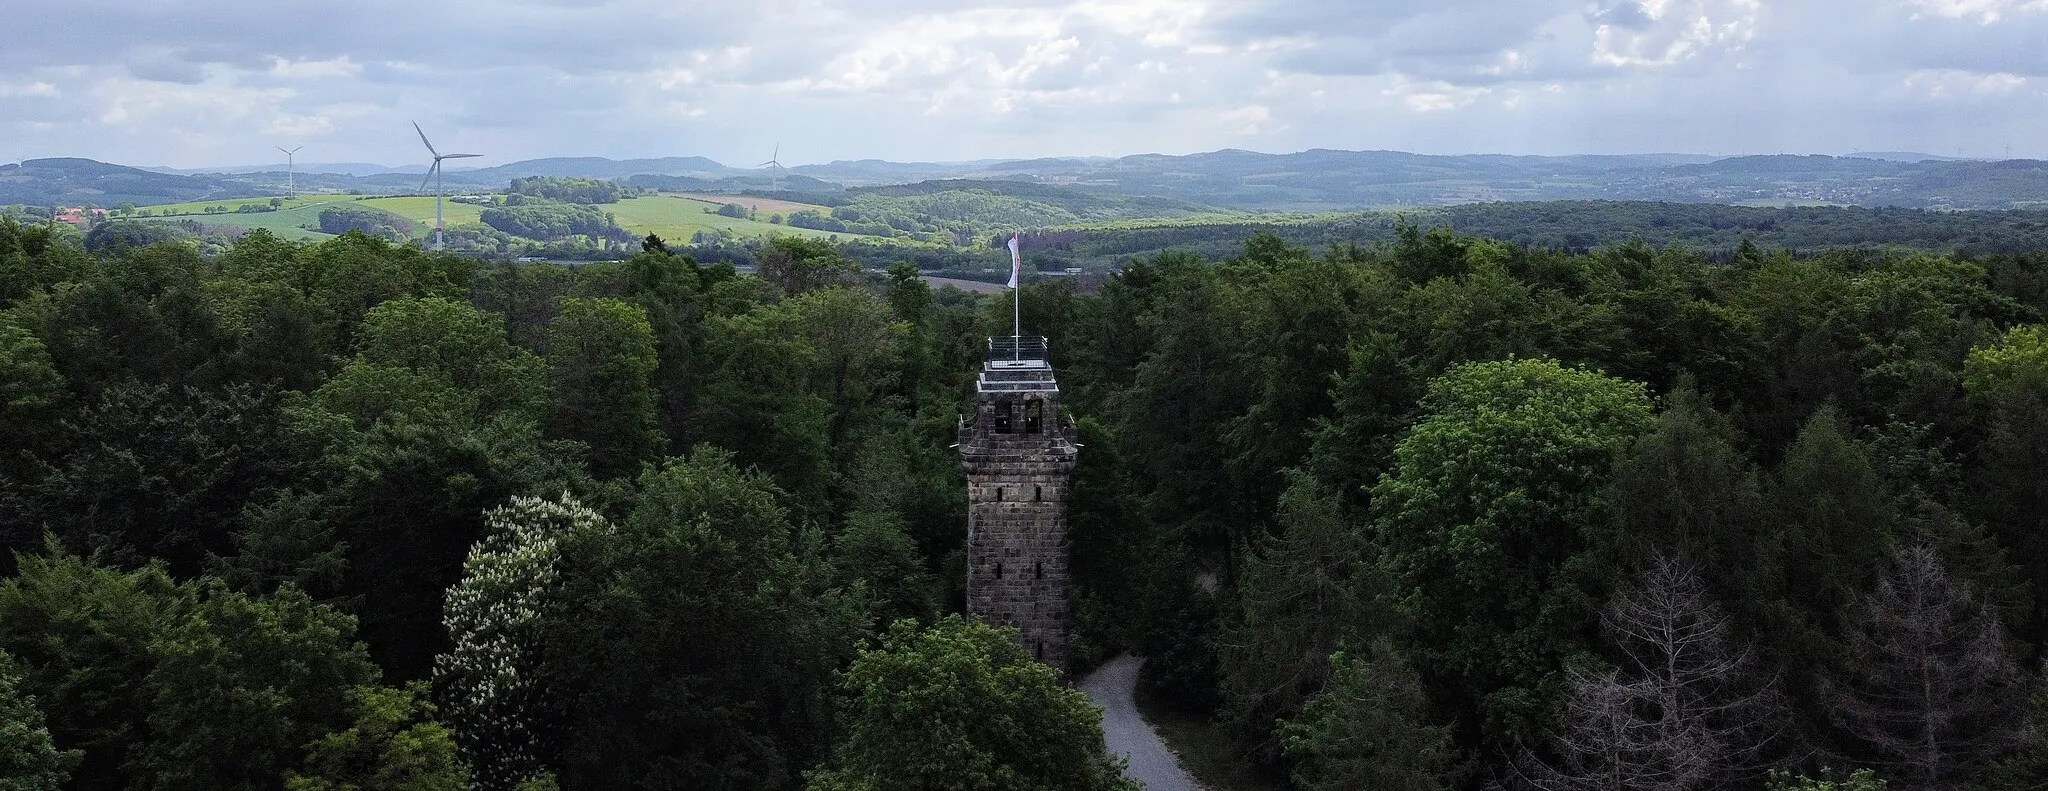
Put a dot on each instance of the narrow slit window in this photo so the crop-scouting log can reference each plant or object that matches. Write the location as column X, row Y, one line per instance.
column 1002, row 417
column 1037, row 493
column 999, row 494
column 1037, row 650
column 1038, row 569
column 999, row 571
column 1034, row 416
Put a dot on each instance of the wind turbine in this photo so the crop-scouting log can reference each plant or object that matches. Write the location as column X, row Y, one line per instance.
column 774, row 164
column 291, row 183
column 434, row 175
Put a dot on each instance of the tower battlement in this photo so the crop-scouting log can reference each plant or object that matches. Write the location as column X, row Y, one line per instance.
column 1018, row 451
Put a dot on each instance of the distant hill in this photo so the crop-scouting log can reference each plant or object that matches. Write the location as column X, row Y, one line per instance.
column 598, row 168
column 1161, row 185
column 336, row 168
column 868, row 172
column 1082, row 203
column 1902, row 156
column 72, row 181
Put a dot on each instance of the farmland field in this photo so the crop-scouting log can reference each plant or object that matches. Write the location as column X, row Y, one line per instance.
column 288, row 223
column 673, row 218
column 764, row 206
column 292, row 222
column 420, row 210
column 676, row 218
column 198, row 208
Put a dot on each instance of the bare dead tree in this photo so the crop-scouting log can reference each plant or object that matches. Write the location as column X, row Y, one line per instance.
column 1934, row 693
column 1683, row 710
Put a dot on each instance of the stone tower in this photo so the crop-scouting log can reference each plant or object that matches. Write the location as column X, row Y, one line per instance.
column 1019, row 453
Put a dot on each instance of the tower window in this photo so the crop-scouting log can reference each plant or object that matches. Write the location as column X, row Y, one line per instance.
column 999, row 494
column 1002, row 417
column 999, row 571
column 1037, row 493
column 1038, row 569
column 1037, row 650
column 1034, row 416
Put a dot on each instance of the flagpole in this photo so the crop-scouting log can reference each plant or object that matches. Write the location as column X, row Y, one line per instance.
column 1016, row 297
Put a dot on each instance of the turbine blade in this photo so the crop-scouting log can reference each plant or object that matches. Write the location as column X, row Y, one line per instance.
column 281, row 148
column 423, row 139
column 459, row 156
column 430, row 175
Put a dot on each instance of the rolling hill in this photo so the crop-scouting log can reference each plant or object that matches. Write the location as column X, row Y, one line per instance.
column 1164, row 185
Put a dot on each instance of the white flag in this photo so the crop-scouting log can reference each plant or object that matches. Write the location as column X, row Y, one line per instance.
column 1016, row 260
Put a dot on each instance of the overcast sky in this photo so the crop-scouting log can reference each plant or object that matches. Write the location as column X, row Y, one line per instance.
column 217, row 82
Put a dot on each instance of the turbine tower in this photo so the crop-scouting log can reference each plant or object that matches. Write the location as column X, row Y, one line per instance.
column 434, row 175
column 291, row 182
column 774, row 165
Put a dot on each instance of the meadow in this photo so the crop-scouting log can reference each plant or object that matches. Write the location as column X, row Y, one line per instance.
column 678, row 219
column 290, row 222
column 763, row 206
column 671, row 217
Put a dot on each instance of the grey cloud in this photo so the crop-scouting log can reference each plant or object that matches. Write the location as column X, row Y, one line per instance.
column 1461, row 43
column 557, row 77
column 167, row 67
column 245, row 31
column 1626, row 14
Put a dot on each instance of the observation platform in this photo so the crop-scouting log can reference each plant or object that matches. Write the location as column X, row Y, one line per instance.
column 1017, row 364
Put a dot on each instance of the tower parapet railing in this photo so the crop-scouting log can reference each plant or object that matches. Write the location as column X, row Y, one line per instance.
column 1017, row 364
column 1018, row 348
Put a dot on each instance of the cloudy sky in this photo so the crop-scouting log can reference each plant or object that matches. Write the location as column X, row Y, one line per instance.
column 190, row 83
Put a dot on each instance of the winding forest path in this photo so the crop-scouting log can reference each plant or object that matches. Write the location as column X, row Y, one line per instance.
column 1111, row 687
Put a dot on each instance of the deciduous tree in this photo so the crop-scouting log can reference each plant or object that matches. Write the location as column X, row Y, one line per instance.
column 1483, row 523
column 962, row 706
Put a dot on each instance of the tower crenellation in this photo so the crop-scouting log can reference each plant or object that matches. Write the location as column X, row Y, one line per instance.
column 1019, row 451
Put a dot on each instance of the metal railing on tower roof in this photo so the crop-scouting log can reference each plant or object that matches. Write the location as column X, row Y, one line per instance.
column 1014, row 348
column 1017, row 364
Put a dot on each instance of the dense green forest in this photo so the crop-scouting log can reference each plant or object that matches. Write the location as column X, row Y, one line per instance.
column 1437, row 511
column 1716, row 232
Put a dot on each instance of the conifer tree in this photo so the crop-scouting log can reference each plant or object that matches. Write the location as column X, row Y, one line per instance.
column 1368, row 728
column 29, row 760
column 1684, row 709
column 1931, row 693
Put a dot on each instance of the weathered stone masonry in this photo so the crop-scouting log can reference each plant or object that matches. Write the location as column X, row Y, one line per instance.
column 1019, row 452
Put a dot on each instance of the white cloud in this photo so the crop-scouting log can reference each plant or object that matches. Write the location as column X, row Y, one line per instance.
column 298, row 125
column 11, row 90
column 1434, row 96
column 1983, row 11
column 1669, row 32
column 1249, row 120
column 1954, row 83
column 130, row 101
column 314, row 69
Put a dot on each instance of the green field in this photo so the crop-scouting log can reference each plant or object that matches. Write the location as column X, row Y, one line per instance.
column 672, row 218
column 420, row 210
column 677, row 219
column 198, row 208
column 290, row 222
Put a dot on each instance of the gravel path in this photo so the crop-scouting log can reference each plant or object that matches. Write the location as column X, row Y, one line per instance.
column 1110, row 686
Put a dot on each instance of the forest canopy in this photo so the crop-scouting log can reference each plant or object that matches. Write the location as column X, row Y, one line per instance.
column 1442, row 511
